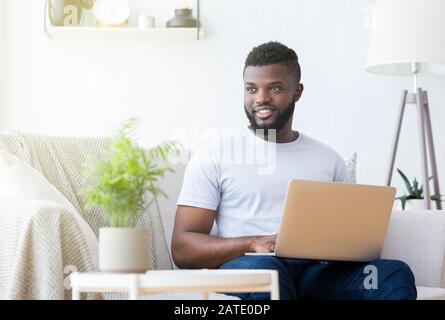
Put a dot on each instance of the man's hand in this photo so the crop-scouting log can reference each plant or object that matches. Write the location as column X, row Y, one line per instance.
column 264, row 243
column 194, row 248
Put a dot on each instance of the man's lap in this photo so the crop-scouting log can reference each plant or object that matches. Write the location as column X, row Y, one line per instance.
column 335, row 280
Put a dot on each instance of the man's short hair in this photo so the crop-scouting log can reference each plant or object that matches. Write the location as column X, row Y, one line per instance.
column 274, row 53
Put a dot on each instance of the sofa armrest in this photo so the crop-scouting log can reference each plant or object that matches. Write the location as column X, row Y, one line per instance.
column 418, row 238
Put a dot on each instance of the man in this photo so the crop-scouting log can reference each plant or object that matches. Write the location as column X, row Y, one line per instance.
column 247, row 205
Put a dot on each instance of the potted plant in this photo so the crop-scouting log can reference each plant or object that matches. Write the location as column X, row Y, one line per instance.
column 414, row 199
column 124, row 181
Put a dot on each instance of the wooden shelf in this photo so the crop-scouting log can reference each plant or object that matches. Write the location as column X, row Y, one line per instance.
column 126, row 33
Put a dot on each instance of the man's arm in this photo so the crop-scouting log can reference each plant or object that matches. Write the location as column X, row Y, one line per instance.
column 193, row 247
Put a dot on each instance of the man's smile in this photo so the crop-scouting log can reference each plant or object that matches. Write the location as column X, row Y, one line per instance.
column 264, row 113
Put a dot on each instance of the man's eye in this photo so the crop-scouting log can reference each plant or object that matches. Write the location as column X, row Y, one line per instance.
column 275, row 89
column 250, row 89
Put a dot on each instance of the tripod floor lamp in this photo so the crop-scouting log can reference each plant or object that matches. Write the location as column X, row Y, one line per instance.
column 407, row 38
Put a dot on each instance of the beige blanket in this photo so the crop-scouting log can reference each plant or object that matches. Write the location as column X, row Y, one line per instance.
column 40, row 245
column 41, row 242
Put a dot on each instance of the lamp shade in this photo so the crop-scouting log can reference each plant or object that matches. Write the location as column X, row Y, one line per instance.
column 407, row 31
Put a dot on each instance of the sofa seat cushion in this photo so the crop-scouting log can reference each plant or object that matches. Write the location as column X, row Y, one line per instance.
column 428, row 293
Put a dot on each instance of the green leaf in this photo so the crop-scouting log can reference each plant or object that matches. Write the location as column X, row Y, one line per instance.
column 437, row 197
column 405, row 179
column 419, row 194
column 403, row 201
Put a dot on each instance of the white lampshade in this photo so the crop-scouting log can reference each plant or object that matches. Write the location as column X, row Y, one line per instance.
column 406, row 31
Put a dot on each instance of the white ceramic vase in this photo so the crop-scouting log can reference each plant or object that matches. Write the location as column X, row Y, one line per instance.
column 124, row 250
column 414, row 204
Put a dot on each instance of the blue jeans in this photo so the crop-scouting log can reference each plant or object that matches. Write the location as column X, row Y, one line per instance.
column 309, row 279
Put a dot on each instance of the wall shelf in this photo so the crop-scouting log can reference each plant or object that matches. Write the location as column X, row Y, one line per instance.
column 127, row 33
column 92, row 32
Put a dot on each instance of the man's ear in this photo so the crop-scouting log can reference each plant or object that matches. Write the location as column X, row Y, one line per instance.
column 299, row 88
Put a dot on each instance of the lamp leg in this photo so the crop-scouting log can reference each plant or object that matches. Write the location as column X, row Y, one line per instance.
column 422, row 145
column 432, row 154
column 396, row 137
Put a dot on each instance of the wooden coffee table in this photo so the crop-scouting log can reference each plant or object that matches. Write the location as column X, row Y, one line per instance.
column 157, row 281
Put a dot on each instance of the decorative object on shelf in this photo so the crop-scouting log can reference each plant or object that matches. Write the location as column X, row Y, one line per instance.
column 183, row 17
column 111, row 13
column 88, row 4
column 414, row 199
column 407, row 39
column 145, row 21
column 126, row 179
column 63, row 13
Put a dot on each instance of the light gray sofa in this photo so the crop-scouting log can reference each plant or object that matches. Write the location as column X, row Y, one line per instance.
column 418, row 238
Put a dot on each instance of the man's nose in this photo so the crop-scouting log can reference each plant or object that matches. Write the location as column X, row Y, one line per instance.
column 262, row 97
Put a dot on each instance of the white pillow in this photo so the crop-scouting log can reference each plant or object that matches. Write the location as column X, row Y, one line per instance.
column 20, row 181
column 351, row 164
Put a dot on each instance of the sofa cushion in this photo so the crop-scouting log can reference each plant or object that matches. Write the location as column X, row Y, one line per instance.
column 418, row 238
column 428, row 293
column 60, row 160
column 351, row 165
column 171, row 184
column 21, row 182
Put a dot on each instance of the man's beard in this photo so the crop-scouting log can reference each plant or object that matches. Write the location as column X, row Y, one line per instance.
column 279, row 122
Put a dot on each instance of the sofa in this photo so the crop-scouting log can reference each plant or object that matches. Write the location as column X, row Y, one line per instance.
column 43, row 240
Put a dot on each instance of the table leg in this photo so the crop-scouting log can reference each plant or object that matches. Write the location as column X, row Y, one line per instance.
column 274, row 286
column 133, row 292
column 75, row 293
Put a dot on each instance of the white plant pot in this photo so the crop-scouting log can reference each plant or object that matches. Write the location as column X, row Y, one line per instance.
column 124, row 250
column 415, row 204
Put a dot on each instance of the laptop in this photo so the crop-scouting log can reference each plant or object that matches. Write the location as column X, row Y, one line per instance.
column 333, row 221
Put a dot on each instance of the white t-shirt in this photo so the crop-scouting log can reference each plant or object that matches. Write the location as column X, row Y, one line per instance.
column 245, row 178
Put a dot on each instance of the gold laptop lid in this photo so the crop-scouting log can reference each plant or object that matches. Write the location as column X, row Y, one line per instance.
column 334, row 221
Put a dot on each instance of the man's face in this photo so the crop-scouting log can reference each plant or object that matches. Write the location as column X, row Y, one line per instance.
column 270, row 93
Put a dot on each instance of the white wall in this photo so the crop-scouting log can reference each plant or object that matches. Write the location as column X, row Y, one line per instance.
column 85, row 88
